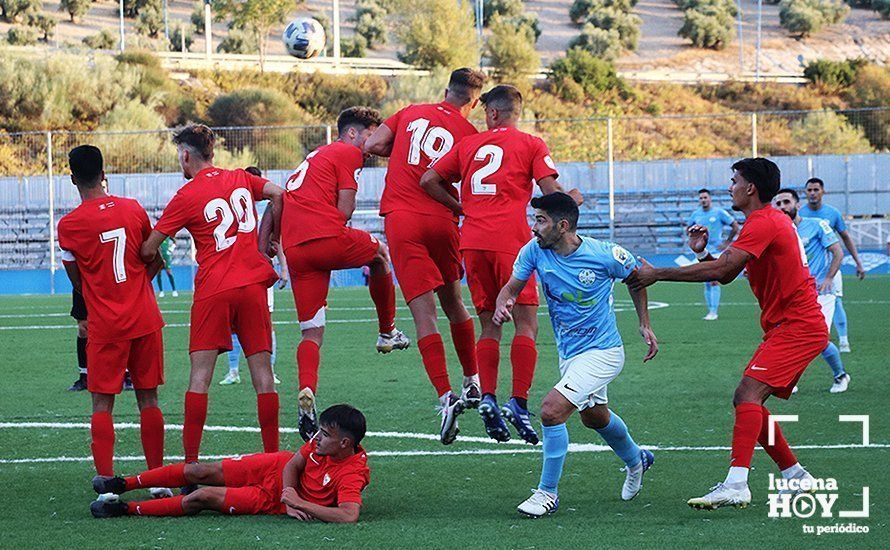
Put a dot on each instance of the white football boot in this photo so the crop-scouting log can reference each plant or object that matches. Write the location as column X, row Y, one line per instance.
column 539, row 504
column 386, row 342
column 722, row 495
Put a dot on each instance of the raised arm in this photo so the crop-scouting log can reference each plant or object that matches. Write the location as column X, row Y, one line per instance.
column 380, row 142
column 851, row 247
column 149, row 250
column 346, row 202
column 733, row 231
column 436, row 187
column 506, row 300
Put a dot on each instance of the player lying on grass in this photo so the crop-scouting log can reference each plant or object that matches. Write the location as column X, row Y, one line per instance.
column 323, row 481
column 577, row 274
column 794, row 330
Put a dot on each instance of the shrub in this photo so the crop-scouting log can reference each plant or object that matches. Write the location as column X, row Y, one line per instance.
column 882, row 7
column 353, row 46
column 502, row 9
column 253, row 107
column 581, row 9
column 197, row 18
column 151, row 19
column 238, row 41
column 324, row 96
column 833, row 74
column 437, row 33
column 15, row 10
column 627, row 24
column 708, row 27
column 370, row 24
column 43, row 23
column 592, row 74
column 103, row 40
column 805, row 17
column 602, row 43
column 21, row 36
column 75, row 8
column 511, row 49
column 156, row 152
column 828, row 132
column 176, row 38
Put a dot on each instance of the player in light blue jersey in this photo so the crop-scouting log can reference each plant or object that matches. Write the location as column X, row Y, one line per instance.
column 814, row 208
column 716, row 220
column 577, row 275
column 819, row 243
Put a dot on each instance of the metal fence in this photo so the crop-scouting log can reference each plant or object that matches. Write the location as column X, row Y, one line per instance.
column 636, row 171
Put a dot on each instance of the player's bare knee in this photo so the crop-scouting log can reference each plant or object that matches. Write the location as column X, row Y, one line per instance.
column 103, row 402
column 82, row 329
column 596, row 417
column 199, row 473
column 146, row 398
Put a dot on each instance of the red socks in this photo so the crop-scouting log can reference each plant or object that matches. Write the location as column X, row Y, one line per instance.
column 779, row 451
column 267, row 412
column 523, row 357
column 158, row 507
column 165, row 476
column 463, row 335
column 488, row 353
column 193, row 427
column 383, row 293
column 308, row 357
column 749, row 418
column 151, row 428
column 102, row 432
column 432, row 351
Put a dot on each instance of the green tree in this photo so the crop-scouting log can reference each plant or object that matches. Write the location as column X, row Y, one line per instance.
column 804, row 17
column 828, row 133
column 370, row 23
column 75, row 8
column 708, row 27
column 44, row 23
column 592, row 74
column 21, row 36
column 353, row 46
column 581, row 9
column 103, row 40
column 197, row 17
column 602, row 43
column 882, row 7
column 176, row 38
column 151, row 19
column 502, row 8
column 627, row 24
column 255, row 16
column 15, row 10
column 437, row 33
column 511, row 49
column 238, row 41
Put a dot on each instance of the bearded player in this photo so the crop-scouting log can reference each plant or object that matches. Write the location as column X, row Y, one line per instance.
column 217, row 207
column 319, row 203
column 100, row 242
column 498, row 170
column 423, row 236
column 323, row 480
column 793, row 326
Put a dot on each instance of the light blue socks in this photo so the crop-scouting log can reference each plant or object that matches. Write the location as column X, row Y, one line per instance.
column 840, row 318
column 235, row 354
column 617, row 436
column 556, row 445
column 832, row 356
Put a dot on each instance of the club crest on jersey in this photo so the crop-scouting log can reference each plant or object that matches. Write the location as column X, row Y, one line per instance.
column 326, row 480
column 586, row 277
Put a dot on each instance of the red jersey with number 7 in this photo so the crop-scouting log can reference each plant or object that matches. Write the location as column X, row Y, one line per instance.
column 217, row 208
column 310, row 205
column 778, row 273
column 103, row 236
column 423, row 134
column 498, row 170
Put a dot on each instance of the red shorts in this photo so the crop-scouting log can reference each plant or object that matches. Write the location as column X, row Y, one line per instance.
column 425, row 251
column 253, row 483
column 143, row 357
column 310, row 265
column 488, row 272
column 786, row 351
column 243, row 310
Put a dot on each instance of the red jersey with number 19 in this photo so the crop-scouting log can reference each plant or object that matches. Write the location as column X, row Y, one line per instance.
column 103, row 236
column 778, row 272
column 423, row 133
column 217, row 208
column 497, row 169
column 310, row 205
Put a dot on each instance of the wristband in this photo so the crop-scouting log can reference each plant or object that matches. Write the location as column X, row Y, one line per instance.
column 702, row 255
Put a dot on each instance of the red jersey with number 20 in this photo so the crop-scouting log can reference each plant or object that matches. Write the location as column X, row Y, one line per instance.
column 310, row 205
column 217, row 208
column 497, row 170
column 423, row 134
column 103, row 236
column 778, row 272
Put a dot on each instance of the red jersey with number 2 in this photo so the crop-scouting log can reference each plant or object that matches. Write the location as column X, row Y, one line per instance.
column 423, row 134
column 310, row 205
column 103, row 236
column 217, row 208
column 778, row 272
column 497, row 170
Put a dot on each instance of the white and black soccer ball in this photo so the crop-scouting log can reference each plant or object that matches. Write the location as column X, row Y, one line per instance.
column 304, row 38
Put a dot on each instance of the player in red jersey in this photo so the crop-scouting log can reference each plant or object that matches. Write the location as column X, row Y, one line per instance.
column 100, row 242
column 319, row 202
column 794, row 329
column 323, row 481
column 498, row 170
column 217, row 207
column 423, row 237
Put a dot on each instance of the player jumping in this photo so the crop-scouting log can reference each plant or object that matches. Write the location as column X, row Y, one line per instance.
column 423, row 236
column 794, row 328
column 319, row 202
column 100, row 242
column 814, row 208
column 715, row 219
column 217, row 207
column 819, row 240
column 498, row 170
column 323, row 481
column 578, row 274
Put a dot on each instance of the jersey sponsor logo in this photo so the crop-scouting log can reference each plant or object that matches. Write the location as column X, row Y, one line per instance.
column 621, row 255
column 586, row 277
column 325, row 480
column 578, row 298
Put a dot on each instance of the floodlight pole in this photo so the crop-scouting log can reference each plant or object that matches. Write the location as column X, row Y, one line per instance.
column 336, row 29
column 759, row 29
column 121, row 13
column 208, row 37
column 480, row 16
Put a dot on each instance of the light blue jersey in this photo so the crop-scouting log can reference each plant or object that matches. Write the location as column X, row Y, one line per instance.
column 828, row 213
column 816, row 236
column 715, row 219
column 578, row 288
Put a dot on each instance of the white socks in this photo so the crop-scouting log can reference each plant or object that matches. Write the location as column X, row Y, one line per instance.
column 793, row 471
column 737, row 476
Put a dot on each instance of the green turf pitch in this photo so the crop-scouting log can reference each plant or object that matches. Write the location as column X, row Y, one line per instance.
column 443, row 499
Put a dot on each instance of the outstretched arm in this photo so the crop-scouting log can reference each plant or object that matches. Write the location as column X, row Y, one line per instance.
column 734, row 230
column 724, row 269
column 436, row 187
column 506, row 300
column 640, row 299
column 549, row 185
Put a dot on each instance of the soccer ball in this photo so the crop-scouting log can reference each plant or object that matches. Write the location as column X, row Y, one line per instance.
column 304, row 38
